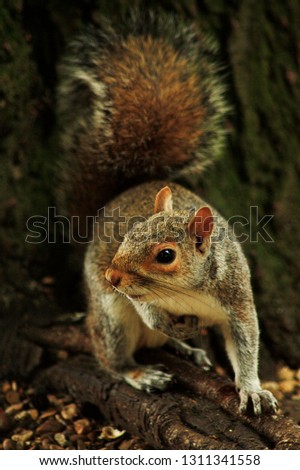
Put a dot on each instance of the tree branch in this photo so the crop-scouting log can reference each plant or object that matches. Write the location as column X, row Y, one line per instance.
column 200, row 411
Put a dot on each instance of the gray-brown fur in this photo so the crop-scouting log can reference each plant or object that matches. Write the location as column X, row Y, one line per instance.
column 136, row 102
column 209, row 273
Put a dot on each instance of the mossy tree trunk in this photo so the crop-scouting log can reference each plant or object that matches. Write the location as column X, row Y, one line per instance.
column 260, row 167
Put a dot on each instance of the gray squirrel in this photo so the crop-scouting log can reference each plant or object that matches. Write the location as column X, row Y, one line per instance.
column 139, row 107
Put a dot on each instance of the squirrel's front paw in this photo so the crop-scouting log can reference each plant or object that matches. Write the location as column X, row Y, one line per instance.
column 185, row 326
column 148, row 378
column 262, row 401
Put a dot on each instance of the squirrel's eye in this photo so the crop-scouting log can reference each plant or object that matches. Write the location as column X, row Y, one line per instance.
column 166, row 256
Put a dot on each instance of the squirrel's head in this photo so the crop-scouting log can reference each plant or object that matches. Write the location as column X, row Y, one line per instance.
column 166, row 253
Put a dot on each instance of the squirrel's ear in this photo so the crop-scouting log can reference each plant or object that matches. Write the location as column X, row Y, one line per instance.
column 201, row 227
column 163, row 200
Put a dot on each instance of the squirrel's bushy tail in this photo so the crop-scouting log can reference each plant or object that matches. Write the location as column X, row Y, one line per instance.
column 144, row 102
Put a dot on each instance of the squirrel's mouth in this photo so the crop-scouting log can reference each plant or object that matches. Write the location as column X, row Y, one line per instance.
column 139, row 297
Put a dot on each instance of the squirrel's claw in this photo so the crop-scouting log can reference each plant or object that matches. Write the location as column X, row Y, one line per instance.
column 200, row 358
column 261, row 400
column 148, row 378
column 197, row 355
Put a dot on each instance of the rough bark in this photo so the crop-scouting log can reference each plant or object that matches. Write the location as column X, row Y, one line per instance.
column 166, row 421
column 200, row 411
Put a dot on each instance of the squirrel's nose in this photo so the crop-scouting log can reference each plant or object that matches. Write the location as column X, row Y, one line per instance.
column 113, row 276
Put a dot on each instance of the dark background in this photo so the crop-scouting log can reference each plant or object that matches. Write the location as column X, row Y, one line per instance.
column 260, row 47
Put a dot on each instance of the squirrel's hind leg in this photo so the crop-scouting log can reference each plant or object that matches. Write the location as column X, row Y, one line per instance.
column 198, row 355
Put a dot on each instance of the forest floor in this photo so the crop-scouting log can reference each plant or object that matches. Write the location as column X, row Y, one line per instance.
column 37, row 420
